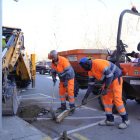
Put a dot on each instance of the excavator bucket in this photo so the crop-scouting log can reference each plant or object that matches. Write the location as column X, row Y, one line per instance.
column 10, row 100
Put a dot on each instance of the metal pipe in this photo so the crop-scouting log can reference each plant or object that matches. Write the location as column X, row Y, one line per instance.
column 1, row 65
column 119, row 31
column 4, row 51
column 33, row 83
column 10, row 41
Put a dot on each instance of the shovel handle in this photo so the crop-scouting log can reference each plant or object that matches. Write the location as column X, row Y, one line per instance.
column 53, row 93
column 85, row 102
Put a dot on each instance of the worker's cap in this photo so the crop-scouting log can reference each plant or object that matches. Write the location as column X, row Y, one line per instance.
column 83, row 60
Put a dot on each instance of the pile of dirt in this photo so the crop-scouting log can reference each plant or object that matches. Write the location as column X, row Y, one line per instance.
column 29, row 113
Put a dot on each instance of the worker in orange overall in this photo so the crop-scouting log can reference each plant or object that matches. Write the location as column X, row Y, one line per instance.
column 62, row 67
column 111, row 76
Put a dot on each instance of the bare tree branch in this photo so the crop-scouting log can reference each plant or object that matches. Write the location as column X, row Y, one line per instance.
column 103, row 3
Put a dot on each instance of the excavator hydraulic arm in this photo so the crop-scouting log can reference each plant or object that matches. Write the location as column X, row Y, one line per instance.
column 17, row 69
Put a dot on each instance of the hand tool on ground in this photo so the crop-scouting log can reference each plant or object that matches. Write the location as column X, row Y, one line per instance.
column 51, row 107
column 65, row 137
column 65, row 113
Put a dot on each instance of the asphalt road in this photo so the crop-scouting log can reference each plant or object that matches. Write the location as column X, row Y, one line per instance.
column 83, row 125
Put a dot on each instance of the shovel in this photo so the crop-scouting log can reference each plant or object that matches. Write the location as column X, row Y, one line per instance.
column 65, row 113
column 51, row 107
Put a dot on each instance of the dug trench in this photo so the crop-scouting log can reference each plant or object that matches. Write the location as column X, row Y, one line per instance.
column 30, row 112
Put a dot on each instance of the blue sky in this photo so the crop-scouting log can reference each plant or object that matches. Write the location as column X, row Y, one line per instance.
column 40, row 19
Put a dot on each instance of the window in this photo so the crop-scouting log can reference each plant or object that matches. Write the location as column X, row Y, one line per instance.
column 37, row 63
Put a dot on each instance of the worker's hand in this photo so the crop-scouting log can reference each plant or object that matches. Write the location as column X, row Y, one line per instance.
column 54, row 80
column 65, row 84
column 84, row 100
column 105, row 92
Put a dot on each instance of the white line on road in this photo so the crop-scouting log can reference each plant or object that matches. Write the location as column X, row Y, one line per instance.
column 84, row 107
column 78, row 129
column 32, row 94
column 73, row 118
column 33, row 98
column 43, row 119
column 50, row 77
column 23, row 90
column 46, row 95
column 47, row 102
column 84, row 127
column 37, row 94
column 81, row 128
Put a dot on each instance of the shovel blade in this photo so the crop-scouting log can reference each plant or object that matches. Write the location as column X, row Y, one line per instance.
column 52, row 113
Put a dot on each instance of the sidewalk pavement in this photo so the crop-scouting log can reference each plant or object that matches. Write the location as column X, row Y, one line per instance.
column 14, row 128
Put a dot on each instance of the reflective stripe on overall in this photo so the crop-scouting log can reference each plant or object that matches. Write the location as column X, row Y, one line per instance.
column 98, row 67
column 70, row 90
column 114, row 95
column 63, row 69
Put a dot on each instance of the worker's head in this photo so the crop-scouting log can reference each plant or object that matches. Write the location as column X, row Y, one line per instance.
column 7, row 38
column 54, row 55
column 84, row 62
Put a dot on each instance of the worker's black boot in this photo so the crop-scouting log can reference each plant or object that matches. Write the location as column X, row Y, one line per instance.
column 72, row 111
column 62, row 108
column 109, row 120
column 125, row 121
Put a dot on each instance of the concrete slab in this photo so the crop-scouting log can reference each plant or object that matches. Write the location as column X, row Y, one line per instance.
column 14, row 128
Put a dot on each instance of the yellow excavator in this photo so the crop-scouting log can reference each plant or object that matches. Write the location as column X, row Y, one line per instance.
column 18, row 70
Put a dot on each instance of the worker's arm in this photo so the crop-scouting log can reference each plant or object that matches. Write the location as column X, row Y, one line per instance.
column 69, row 74
column 108, row 77
column 68, row 70
column 133, row 54
column 90, row 88
column 53, row 73
column 137, row 55
column 91, row 83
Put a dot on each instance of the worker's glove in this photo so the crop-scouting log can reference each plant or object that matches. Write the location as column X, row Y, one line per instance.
column 105, row 92
column 54, row 80
column 85, row 99
column 65, row 84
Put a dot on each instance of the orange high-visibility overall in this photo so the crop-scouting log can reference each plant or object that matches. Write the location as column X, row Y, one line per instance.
column 70, row 90
column 98, row 69
column 63, row 67
column 114, row 96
